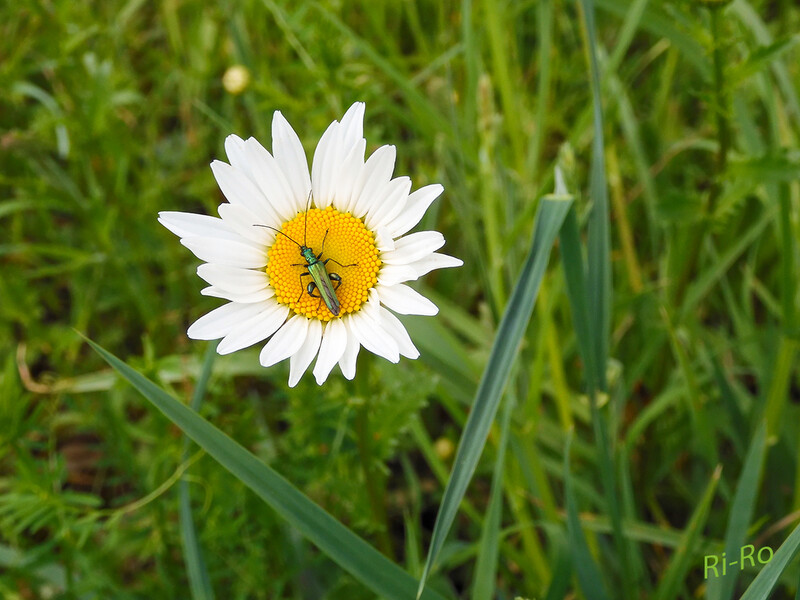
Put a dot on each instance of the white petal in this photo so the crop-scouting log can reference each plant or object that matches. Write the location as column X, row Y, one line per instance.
column 413, row 247
column 300, row 360
column 349, row 170
column 405, row 301
column 191, row 225
column 272, row 182
column 394, row 274
column 220, row 321
column 325, row 165
column 235, row 150
column 239, row 189
column 286, row 342
column 291, row 157
column 334, row 343
column 353, row 124
column 226, row 252
column 337, row 166
column 393, row 201
column 238, row 281
column 372, row 336
column 425, row 265
column 243, row 222
column 383, row 240
column 376, row 173
column 395, row 328
column 417, row 205
column 256, row 328
column 348, row 361
column 247, row 298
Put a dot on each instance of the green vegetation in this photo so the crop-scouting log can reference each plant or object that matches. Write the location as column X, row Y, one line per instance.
column 648, row 411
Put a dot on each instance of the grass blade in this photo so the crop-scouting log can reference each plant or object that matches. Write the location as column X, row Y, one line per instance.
column 550, row 216
column 599, row 253
column 762, row 585
column 741, row 511
column 675, row 575
column 589, row 578
column 575, row 277
column 562, row 568
column 343, row 546
column 199, row 581
column 483, row 587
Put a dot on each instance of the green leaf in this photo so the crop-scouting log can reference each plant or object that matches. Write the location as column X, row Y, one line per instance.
column 678, row 207
column 550, row 216
column 772, row 167
column 343, row 546
column 761, row 58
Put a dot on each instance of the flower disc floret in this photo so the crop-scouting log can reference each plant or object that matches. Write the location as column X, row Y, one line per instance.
column 348, row 242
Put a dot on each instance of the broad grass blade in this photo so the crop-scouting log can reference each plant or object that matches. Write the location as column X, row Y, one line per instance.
column 762, row 585
column 550, row 216
column 575, row 277
column 483, row 587
column 344, row 547
column 599, row 239
column 721, row 588
column 599, row 293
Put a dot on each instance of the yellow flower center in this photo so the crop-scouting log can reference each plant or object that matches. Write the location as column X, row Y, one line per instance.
column 348, row 242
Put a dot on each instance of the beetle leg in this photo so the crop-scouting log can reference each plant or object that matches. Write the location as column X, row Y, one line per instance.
column 337, row 278
column 301, row 284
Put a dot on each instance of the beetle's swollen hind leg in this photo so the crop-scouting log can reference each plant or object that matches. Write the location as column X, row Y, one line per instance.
column 336, row 278
column 301, row 285
column 310, row 289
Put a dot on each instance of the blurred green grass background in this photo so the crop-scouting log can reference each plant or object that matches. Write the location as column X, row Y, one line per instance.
column 111, row 112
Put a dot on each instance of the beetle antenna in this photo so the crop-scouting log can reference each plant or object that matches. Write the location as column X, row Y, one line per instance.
column 305, row 224
column 276, row 230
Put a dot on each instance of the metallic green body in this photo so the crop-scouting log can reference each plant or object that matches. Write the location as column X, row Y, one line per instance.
column 322, row 279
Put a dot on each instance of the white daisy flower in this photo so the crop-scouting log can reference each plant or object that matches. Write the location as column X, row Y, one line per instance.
column 360, row 212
